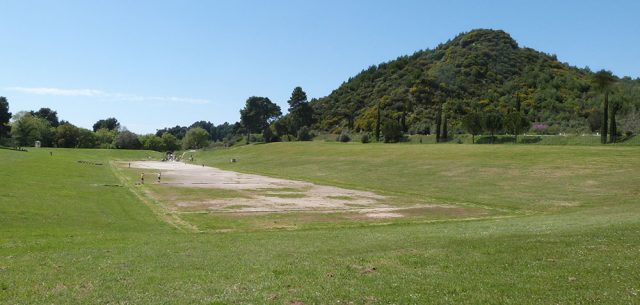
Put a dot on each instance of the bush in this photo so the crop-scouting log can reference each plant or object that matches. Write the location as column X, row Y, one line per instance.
column 195, row 138
column 343, row 137
column 269, row 136
column 304, row 134
column 364, row 139
column 392, row 131
column 127, row 140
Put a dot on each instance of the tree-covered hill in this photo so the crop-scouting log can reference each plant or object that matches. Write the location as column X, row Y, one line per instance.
column 482, row 71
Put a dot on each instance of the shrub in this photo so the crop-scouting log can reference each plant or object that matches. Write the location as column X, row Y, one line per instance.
column 195, row 138
column 392, row 131
column 343, row 137
column 127, row 140
column 364, row 139
column 268, row 135
column 304, row 134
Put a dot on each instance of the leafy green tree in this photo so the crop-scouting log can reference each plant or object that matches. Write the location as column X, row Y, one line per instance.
column 50, row 115
column 472, row 123
column 67, row 135
column 109, row 124
column 281, row 126
column 178, row 131
column 152, row 142
column 300, row 112
column 27, row 129
column 516, row 123
column 5, row 116
column 603, row 82
column 258, row 114
column 106, row 138
column 304, row 134
column 195, row 138
column 378, row 120
column 594, row 119
column 493, row 122
column 206, row 125
column 220, row 132
column 87, row 138
column 170, row 142
column 269, row 136
column 127, row 140
column 616, row 104
column 392, row 131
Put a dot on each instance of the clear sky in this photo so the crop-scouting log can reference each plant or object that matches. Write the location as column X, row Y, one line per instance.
column 156, row 63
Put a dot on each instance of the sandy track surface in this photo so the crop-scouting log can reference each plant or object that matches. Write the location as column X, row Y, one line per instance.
column 266, row 194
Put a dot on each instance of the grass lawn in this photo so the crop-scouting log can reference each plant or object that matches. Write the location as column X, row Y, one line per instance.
column 74, row 233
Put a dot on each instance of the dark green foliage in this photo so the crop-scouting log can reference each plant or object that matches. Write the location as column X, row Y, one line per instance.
column 110, row 124
column 269, row 136
column 603, row 82
column 220, row 132
column 86, row 138
column 300, row 112
column 392, row 131
column 304, row 134
column 492, row 122
column 127, row 140
column 67, row 135
column 258, row 114
column 46, row 113
column 481, row 70
column 472, row 123
column 5, row 116
column 364, row 138
column 516, row 123
column 594, row 119
column 281, row 126
column 177, row 131
column 343, row 137
column 206, row 125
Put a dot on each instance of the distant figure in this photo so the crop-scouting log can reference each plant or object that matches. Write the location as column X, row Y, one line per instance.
column 50, row 153
column 142, row 178
column 159, row 176
column 202, row 165
column 129, row 164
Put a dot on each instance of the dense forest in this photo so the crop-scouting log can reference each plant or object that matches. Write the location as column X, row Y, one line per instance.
column 481, row 82
column 481, row 71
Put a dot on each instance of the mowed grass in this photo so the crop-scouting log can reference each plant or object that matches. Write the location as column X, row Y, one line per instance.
column 69, row 236
column 516, row 178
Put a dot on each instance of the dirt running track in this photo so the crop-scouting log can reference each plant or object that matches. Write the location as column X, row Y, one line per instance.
column 265, row 194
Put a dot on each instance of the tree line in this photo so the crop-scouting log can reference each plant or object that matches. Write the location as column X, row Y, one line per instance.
column 387, row 122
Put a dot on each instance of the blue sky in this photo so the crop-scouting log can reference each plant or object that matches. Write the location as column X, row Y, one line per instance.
column 153, row 64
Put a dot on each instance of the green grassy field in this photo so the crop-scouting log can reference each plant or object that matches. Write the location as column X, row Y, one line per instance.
column 74, row 233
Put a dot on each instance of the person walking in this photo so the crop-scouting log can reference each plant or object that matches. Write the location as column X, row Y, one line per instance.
column 159, row 176
column 142, row 178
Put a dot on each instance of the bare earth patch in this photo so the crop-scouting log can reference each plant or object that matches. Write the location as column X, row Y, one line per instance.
column 264, row 194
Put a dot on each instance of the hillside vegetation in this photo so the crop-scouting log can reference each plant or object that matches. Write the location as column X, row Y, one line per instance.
column 482, row 71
